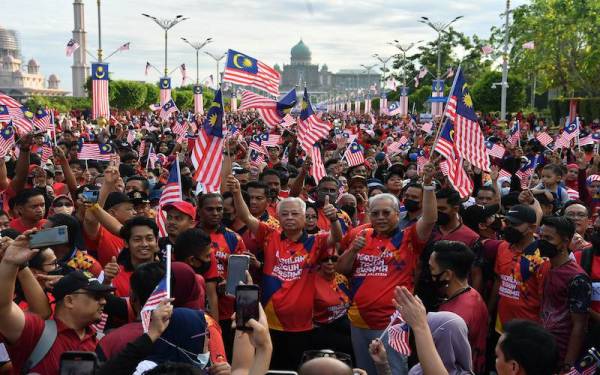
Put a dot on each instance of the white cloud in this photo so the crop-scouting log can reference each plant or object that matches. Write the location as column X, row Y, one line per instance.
column 340, row 33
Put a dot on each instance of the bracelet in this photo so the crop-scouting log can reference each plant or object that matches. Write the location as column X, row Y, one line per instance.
column 95, row 206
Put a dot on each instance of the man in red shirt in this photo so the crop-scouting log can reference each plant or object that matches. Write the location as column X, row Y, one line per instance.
column 288, row 284
column 31, row 207
column 377, row 260
column 80, row 302
column 450, row 264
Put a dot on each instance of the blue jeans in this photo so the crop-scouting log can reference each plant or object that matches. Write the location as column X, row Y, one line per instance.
column 361, row 338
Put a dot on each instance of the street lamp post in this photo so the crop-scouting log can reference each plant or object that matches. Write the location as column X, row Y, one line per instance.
column 404, row 49
column 197, row 46
column 166, row 24
column 440, row 28
column 99, row 33
column 368, row 68
column 504, row 65
column 217, row 59
column 384, row 61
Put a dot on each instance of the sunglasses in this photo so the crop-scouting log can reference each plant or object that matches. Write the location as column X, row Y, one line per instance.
column 331, row 259
column 63, row 204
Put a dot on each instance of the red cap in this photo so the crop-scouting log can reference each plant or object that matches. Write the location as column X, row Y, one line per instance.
column 184, row 207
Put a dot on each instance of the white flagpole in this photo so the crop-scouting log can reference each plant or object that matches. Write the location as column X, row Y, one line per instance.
column 578, row 130
column 168, row 269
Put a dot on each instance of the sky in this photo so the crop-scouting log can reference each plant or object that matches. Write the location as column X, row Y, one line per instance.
column 341, row 33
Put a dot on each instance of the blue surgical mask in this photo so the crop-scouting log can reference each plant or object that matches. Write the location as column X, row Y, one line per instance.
column 203, row 359
column 505, row 190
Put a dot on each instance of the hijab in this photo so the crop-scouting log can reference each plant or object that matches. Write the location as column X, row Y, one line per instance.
column 186, row 291
column 450, row 335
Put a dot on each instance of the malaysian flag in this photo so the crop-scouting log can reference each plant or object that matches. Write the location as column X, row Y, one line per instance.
column 152, row 158
column 207, row 154
column 487, row 49
column 544, row 138
column 504, row 173
column 587, row 365
column 427, row 127
column 394, row 148
column 45, row 153
column 310, row 128
column 570, row 131
column 159, row 293
column 94, row 151
column 148, row 66
column 421, row 160
column 393, row 109
column 272, row 112
column 586, row 140
column 318, row 168
column 514, row 134
column 71, row 47
column 256, row 157
column 7, row 101
column 142, row 149
column 398, row 333
column 449, row 73
column 165, row 90
column 171, row 193
column 167, row 109
column 354, row 155
column 130, row 136
column 495, row 150
column 526, row 172
column 198, row 100
column 287, row 121
column 572, row 193
column 457, row 175
column 7, row 139
column 468, row 139
column 180, row 127
column 270, row 140
column 124, row 47
column 244, row 70
column 41, row 120
column 100, row 106
column 183, row 74
column 21, row 117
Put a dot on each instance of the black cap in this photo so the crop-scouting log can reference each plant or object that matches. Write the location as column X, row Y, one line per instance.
column 520, row 214
column 137, row 197
column 124, row 145
column 73, row 281
column 115, row 198
column 477, row 214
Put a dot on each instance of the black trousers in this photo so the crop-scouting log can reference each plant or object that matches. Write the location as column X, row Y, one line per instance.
column 288, row 348
column 228, row 336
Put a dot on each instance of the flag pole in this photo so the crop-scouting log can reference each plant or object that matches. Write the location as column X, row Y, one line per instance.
column 439, row 129
column 519, row 132
column 178, row 174
column 578, row 130
column 168, row 269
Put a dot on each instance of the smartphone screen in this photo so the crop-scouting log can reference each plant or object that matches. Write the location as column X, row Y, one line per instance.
column 78, row 363
column 49, row 237
column 246, row 305
column 91, row 196
column 237, row 265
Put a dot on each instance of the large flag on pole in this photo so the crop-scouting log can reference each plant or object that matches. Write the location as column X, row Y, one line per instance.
column 469, row 139
column 100, row 106
column 21, row 116
column 160, row 292
column 272, row 112
column 198, row 100
column 207, row 154
column 457, row 175
column 7, row 139
column 165, row 90
column 244, row 70
column 310, row 127
column 171, row 193
column 167, row 109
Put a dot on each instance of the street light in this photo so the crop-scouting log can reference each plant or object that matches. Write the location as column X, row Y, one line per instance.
column 217, row 59
column 166, row 24
column 384, row 61
column 404, row 49
column 439, row 27
column 197, row 46
column 368, row 68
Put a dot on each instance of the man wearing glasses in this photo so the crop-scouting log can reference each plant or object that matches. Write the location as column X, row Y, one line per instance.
column 80, row 302
column 376, row 260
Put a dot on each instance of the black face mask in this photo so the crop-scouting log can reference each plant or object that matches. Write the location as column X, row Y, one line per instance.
column 547, row 249
column 227, row 220
column 412, row 206
column 321, row 196
column 350, row 210
column 496, row 225
column 203, row 268
column 512, row 235
column 437, row 281
column 443, row 218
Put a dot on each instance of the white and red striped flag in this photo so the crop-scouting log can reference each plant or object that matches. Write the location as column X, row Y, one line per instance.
column 160, row 292
column 318, row 168
column 287, row 121
column 167, row 109
column 394, row 148
column 354, row 155
column 165, row 90
column 198, row 100
column 495, row 150
column 242, row 69
column 514, row 134
column 46, row 153
column 100, row 105
column 124, row 47
column 544, row 138
column 310, row 128
column 456, row 173
column 272, row 112
column 95, row 151
column 427, row 127
column 8, row 101
column 398, row 334
column 171, row 193
column 207, row 154
column 71, row 47
column 487, row 49
column 7, row 139
column 41, row 120
column 130, row 136
column 529, row 45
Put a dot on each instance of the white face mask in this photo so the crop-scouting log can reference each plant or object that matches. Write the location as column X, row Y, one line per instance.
column 63, row 210
column 505, row 190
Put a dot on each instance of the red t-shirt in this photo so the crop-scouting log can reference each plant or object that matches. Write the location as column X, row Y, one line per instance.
column 225, row 242
column 66, row 340
column 471, row 307
column 323, row 222
column 521, row 277
column 331, row 298
column 121, row 282
column 18, row 225
column 382, row 264
column 288, row 290
column 595, row 276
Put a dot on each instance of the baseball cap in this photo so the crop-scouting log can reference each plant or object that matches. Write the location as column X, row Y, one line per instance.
column 380, row 156
column 374, row 182
column 358, row 178
column 183, row 207
column 137, row 197
column 477, row 214
column 115, row 198
column 520, row 214
column 76, row 280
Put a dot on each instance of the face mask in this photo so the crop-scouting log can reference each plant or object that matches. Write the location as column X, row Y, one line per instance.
column 443, row 218
column 203, row 268
column 437, row 281
column 152, row 182
column 350, row 210
column 547, row 249
column 63, row 210
column 227, row 220
column 203, row 359
column 504, row 190
column 411, row 206
column 512, row 235
column 496, row 225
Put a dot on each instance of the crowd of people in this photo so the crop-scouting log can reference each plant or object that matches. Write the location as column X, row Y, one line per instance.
column 506, row 280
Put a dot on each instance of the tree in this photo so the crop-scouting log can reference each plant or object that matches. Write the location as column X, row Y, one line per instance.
column 487, row 99
column 152, row 95
column 184, row 99
column 129, row 95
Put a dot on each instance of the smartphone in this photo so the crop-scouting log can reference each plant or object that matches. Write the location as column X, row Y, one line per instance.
column 91, row 196
column 49, row 237
column 78, row 363
column 246, row 305
column 237, row 265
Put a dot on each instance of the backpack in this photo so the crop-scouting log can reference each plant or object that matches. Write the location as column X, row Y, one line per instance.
column 42, row 347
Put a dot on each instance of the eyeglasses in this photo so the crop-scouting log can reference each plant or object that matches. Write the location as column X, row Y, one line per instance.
column 62, row 204
column 331, row 259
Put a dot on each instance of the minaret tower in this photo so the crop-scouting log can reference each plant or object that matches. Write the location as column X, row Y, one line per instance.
column 79, row 68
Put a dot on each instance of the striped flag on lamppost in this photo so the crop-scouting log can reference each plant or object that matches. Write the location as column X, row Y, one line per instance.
column 198, row 100
column 165, row 90
column 100, row 106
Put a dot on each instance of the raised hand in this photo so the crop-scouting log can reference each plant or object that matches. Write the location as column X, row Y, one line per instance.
column 18, row 252
column 233, row 184
column 412, row 309
column 359, row 242
column 526, row 197
column 329, row 210
column 111, row 270
column 428, row 173
column 160, row 319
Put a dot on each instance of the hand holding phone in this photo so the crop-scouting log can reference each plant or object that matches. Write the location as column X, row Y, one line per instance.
column 246, row 306
column 237, row 265
column 78, row 363
column 49, row 237
column 91, row 196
